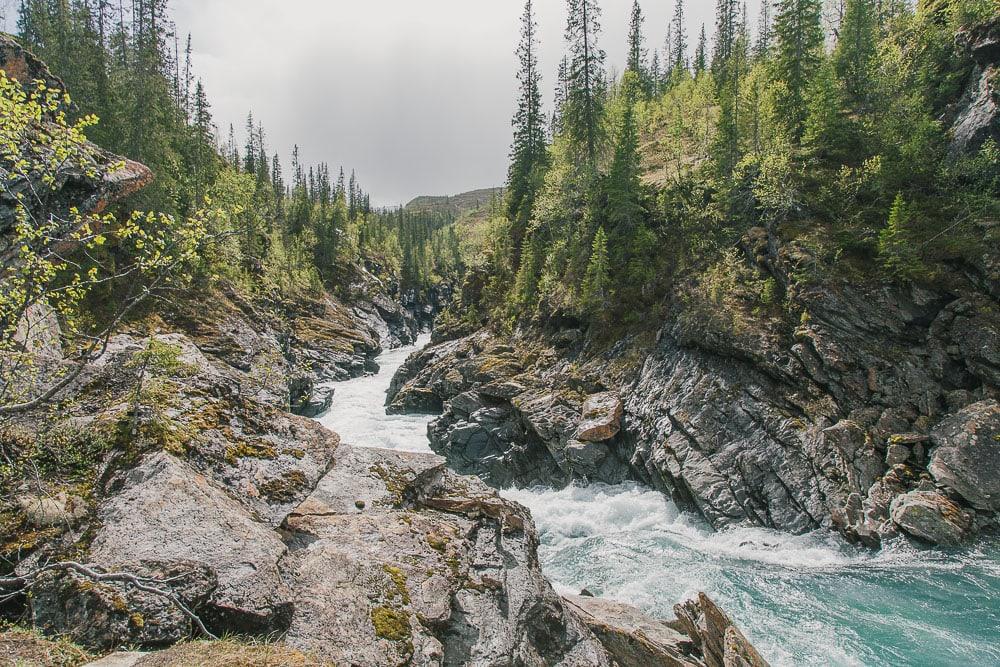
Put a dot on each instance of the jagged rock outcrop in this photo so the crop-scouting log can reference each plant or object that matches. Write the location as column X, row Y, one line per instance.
column 796, row 426
column 977, row 115
column 701, row 635
column 391, row 559
column 506, row 424
column 720, row 643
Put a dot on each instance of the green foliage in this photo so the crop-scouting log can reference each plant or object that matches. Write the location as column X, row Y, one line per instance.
column 595, row 295
column 57, row 260
column 896, row 244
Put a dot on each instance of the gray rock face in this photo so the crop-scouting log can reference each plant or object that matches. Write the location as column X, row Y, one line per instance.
column 505, row 424
column 396, row 560
column 108, row 615
column 391, row 559
column 795, row 427
column 720, row 643
column 632, row 638
column 978, row 117
column 967, row 455
column 164, row 510
column 931, row 517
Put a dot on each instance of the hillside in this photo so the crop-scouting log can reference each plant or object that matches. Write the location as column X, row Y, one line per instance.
column 455, row 205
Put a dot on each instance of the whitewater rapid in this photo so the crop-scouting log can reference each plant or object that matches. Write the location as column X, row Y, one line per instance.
column 802, row 600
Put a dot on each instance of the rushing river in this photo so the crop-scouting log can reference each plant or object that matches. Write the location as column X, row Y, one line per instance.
column 802, row 600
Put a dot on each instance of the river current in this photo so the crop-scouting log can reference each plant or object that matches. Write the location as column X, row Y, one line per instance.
column 802, row 600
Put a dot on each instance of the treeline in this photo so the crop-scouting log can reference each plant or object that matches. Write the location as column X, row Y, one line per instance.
column 827, row 127
column 303, row 231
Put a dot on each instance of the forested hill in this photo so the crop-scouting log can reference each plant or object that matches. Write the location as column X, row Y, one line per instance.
column 456, row 204
column 763, row 264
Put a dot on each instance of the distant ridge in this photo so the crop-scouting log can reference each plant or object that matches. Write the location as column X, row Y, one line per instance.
column 455, row 204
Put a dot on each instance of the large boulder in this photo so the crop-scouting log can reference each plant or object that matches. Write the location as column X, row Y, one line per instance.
column 932, row 517
column 601, row 418
column 967, row 457
column 106, row 615
column 164, row 510
column 395, row 560
column 631, row 637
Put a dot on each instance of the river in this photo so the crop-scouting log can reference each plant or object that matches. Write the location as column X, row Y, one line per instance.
column 802, row 600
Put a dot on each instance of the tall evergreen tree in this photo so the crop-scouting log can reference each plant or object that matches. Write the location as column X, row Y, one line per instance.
column 637, row 53
column 678, row 58
column 596, row 290
column 529, row 152
column 701, row 52
column 855, row 52
column 799, row 35
column 585, row 101
column 765, row 30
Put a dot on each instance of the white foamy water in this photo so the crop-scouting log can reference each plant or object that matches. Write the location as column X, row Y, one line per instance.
column 358, row 409
column 802, row 600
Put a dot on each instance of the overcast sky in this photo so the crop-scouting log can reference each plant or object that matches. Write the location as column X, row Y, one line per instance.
column 416, row 95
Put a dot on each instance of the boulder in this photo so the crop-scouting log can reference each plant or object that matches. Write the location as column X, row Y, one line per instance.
column 106, row 615
column 967, row 454
column 720, row 643
column 932, row 517
column 631, row 637
column 602, row 418
column 395, row 560
column 164, row 510
column 317, row 401
column 60, row 509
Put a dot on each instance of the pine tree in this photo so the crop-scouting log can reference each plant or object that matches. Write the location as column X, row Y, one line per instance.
column 799, row 35
column 855, row 52
column 529, row 153
column 561, row 97
column 896, row 247
column 678, row 59
column 765, row 31
column 726, row 31
column 701, row 53
column 624, row 207
column 584, row 106
column 595, row 294
column 637, row 53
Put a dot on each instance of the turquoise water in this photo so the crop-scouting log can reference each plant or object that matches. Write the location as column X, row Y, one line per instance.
column 802, row 600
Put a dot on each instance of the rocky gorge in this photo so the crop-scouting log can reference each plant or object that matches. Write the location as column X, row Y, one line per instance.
column 179, row 490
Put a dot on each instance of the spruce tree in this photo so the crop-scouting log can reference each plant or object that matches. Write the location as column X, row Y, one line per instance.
column 623, row 185
column 856, row 48
column 529, row 153
column 701, row 52
column 799, row 39
column 765, row 30
column 637, row 53
column 678, row 59
column 585, row 102
column 595, row 295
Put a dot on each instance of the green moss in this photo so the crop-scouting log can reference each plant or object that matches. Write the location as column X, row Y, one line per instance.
column 285, row 488
column 437, row 542
column 399, row 581
column 391, row 624
column 249, row 450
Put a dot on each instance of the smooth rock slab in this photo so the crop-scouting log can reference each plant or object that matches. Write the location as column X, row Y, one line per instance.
column 164, row 510
column 967, row 457
column 932, row 517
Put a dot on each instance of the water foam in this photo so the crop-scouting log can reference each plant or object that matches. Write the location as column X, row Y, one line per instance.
column 803, row 600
